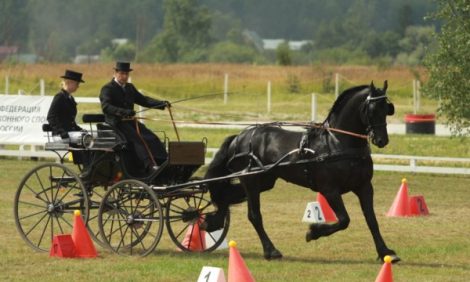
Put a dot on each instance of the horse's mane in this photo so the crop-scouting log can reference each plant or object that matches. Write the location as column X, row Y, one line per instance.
column 343, row 98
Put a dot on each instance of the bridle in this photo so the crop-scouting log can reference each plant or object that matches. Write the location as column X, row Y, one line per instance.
column 365, row 114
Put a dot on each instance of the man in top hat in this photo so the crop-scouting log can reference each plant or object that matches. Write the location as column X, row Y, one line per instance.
column 63, row 109
column 117, row 102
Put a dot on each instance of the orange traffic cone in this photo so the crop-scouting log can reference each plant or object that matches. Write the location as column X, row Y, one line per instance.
column 328, row 213
column 237, row 270
column 62, row 246
column 84, row 247
column 400, row 206
column 385, row 274
column 195, row 238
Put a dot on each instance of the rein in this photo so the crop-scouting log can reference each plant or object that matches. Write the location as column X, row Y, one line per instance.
column 145, row 143
column 303, row 124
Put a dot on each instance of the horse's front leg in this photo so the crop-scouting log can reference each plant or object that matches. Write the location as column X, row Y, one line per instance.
column 366, row 199
column 254, row 215
column 215, row 221
column 318, row 230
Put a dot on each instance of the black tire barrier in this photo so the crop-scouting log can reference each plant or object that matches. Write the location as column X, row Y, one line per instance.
column 420, row 123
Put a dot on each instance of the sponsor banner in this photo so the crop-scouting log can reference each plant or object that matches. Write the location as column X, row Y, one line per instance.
column 21, row 119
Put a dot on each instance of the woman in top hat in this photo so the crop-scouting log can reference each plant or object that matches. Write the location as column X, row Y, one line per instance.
column 63, row 110
column 117, row 102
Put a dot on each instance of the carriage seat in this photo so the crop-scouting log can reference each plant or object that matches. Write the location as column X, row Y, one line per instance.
column 93, row 118
column 46, row 127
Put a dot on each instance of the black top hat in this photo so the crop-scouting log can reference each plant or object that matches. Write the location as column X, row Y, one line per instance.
column 123, row 66
column 73, row 75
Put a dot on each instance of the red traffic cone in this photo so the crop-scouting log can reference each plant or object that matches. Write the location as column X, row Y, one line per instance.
column 328, row 213
column 400, row 206
column 237, row 270
column 195, row 238
column 62, row 246
column 83, row 244
column 385, row 274
column 418, row 205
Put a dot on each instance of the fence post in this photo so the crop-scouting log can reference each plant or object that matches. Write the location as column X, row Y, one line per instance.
column 7, row 85
column 226, row 89
column 415, row 110
column 42, row 87
column 314, row 107
column 418, row 95
column 336, row 85
column 269, row 97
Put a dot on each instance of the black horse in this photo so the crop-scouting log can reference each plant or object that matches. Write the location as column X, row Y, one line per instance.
column 332, row 159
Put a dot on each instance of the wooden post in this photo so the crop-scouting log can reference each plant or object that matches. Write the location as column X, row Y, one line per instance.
column 7, row 85
column 226, row 89
column 418, row 95
column 314, row 107
column 42, row 87
column 269, row 97
column 414, row 97
column 336, row 85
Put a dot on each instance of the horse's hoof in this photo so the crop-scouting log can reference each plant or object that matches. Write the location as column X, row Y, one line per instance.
column 275, row 254
column 311, row 236
column 203, row 225
column 394, row 258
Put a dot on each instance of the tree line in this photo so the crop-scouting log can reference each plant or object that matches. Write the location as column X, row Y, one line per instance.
column 339, row 31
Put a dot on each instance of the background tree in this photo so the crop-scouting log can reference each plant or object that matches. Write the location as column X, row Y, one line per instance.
column 13, row 26
column 449, row 65
column 283, row 54
column 186, row 33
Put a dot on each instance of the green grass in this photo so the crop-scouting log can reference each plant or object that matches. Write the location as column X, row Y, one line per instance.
column 433, row 248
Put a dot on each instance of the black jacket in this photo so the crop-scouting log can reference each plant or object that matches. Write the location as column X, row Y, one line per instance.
column 62, row 113
column 117, row 102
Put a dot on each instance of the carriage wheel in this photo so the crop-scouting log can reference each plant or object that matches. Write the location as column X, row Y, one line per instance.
column 130, row 218
column 185, row 213
column 44, row 204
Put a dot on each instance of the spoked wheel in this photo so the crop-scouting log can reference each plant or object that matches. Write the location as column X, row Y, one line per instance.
column 130, row 218
column 44, row 204
column 95, row 197
column 185, row 213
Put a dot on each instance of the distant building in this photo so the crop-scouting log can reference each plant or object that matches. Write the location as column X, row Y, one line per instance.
column 86, row 59
column 119, row 41
column 7, row 51
column 272, row 44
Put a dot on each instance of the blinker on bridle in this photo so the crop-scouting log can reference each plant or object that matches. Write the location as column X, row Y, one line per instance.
column 370, row 127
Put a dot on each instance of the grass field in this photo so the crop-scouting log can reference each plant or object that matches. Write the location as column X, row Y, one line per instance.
column 433, row 248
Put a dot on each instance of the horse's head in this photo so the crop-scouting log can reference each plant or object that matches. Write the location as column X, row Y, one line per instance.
column 374, row 113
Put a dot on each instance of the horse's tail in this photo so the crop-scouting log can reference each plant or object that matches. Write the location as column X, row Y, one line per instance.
column 223, row 192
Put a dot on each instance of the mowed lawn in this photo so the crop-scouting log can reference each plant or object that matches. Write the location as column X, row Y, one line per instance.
column 432, row 248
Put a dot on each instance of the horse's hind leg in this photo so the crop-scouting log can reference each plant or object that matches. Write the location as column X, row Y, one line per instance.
column 318, row 230
column 254, row 215
column 366, row 199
